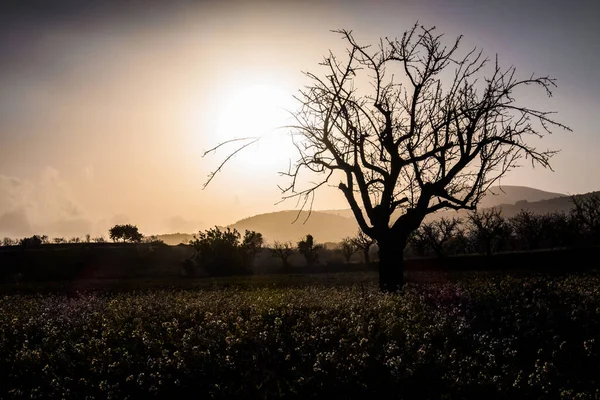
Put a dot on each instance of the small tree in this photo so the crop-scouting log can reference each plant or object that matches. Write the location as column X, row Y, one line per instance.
column 586, row 214
column 363, row 243
column 33, row 241
column 527, row 228
column 59, row 240
column 251, row 245
column 348, row 248
column 99, row 239
column 74, row 239
column 221, row 252
column 45, row 239
column 436, row 234
column 489, row 230
column 282, row 250
column 309, row 250
column 8, row 242
column 558, row 230
column 418, row 242
column 126, row 233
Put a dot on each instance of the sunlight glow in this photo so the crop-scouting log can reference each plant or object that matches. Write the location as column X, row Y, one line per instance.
column 257, row 110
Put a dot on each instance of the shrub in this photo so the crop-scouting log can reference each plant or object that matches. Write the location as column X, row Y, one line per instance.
column 126, row 233
column 223, row 252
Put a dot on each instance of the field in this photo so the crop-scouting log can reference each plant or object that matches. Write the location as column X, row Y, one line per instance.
column 448, row 335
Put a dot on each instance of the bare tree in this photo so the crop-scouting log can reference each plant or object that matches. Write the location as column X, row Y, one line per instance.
column 489, row 230
column 527, row 227
column 283, row 250
column 364, row 243
column 586, row 213
column 438, row 233
column 348, row 248
column 435, row 128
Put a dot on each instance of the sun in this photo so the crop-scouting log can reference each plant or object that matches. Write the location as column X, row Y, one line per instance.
column 259, row 111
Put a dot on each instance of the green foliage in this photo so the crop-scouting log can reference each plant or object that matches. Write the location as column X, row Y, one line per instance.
column 225, row 252
column 481, row 337
column 126, row 233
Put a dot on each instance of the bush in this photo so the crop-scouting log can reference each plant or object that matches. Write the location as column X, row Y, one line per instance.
column 126, row 233
column 223, row 252
column 33, row 241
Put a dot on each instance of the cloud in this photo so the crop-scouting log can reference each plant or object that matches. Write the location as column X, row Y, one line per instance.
column 88, row 173
column 119, row 219
column 178, row 224
column 45, row 205
column 15, row 224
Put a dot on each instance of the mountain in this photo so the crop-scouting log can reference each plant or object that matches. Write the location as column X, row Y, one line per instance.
column 333, row 225
column 494, row 197
column 325, row 227
column 498, row 195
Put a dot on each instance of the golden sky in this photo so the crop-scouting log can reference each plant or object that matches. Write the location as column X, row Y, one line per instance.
column 105, row 112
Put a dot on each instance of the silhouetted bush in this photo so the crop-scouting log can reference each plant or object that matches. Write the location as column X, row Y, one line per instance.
column 224, row 252
column 126, row 233
column 309, row 250
column 33, row 241
column 586, row 214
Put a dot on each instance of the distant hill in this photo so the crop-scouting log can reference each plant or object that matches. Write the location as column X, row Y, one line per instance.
column 173, row 239
column 557, row 204
column 495, row 197
column 278, row 226
column 333, row 225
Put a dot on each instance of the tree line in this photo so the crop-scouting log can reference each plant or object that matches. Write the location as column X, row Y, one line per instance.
column 125, row 233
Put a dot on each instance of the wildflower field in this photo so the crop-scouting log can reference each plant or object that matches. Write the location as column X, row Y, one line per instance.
column 471, row 336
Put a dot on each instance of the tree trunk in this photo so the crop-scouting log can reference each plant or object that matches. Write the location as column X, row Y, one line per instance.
column 366, row 255
column 391, row 265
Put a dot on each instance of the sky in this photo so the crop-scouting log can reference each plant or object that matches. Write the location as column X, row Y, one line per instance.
column 107, row 107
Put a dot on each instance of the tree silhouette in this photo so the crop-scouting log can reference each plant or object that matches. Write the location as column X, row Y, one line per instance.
column 586, row 213
column 8, row 241
column 283, row 250
column 489, row 230
column 436, row 234
column 348, row 247
column 364, row 243
column 221, row 252
column 126, row 233
column 409, row 128
column 309, row 250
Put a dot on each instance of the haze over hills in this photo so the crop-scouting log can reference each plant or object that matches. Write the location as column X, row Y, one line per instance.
column 495, row 197
column 333, row 225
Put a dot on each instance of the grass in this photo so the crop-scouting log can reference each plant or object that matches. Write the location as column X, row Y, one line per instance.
column 447, row 335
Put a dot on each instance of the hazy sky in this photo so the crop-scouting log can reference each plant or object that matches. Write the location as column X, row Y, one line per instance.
column 106, row 107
